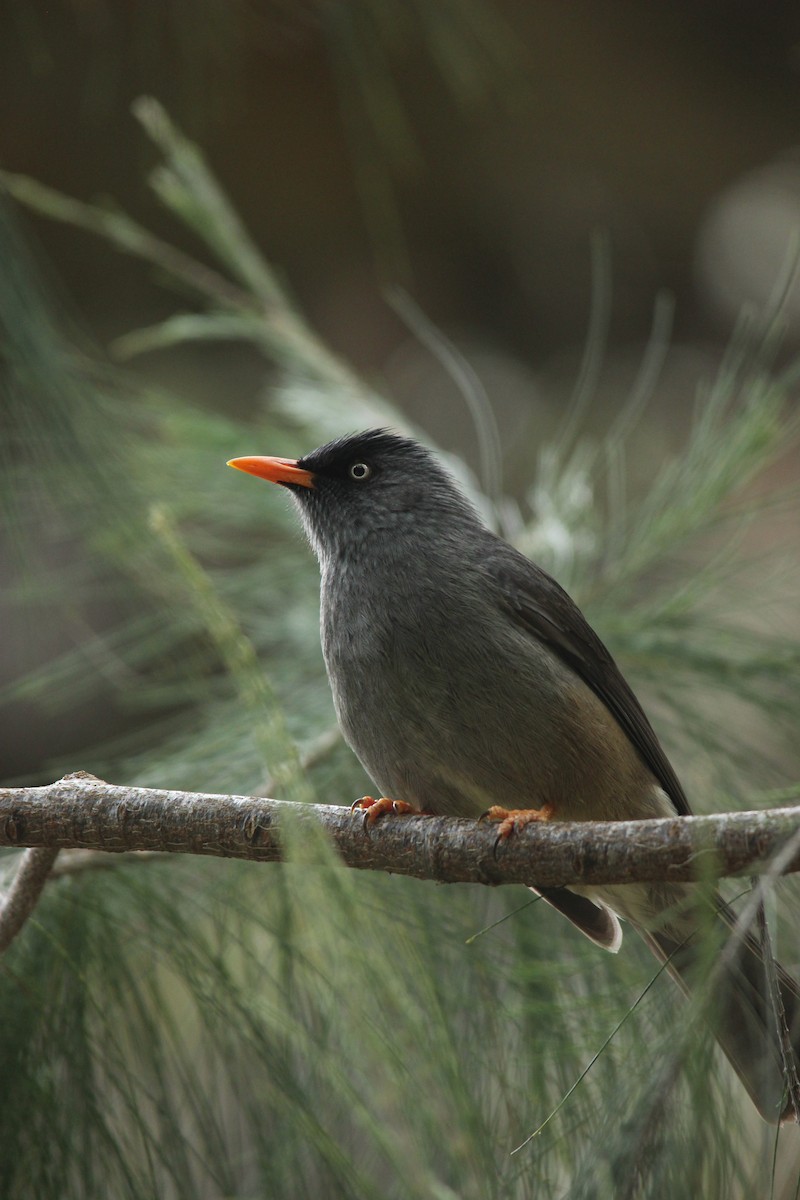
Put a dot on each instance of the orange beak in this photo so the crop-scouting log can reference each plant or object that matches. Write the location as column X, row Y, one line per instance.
column 276, row 470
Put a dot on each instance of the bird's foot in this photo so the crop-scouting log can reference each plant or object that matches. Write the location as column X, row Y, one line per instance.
column 373, row 808
column 513, row 819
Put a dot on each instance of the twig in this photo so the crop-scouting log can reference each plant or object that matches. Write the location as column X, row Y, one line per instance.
column 75, row 862
column 81, row 812
column 24, row 892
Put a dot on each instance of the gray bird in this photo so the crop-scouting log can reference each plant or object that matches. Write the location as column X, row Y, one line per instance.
column 466, row 679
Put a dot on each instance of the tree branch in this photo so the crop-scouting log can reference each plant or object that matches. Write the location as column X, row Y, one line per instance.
column 86, row 813
column 24, row 892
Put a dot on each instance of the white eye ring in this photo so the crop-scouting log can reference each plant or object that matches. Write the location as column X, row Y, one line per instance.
column 360, row 471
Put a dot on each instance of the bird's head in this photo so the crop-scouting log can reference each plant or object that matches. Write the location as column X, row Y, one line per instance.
column 367, row 486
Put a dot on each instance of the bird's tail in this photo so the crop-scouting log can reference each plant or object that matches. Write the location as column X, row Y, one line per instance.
column 753, row 1010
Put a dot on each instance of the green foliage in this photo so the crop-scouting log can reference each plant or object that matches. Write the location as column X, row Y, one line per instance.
column 206, row 1029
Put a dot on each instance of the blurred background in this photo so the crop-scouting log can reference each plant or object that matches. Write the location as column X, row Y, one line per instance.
column 471, row 153
column 531, row 173
column 597, row 206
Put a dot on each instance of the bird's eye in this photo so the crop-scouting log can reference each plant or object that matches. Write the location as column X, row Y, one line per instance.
column 360, row 471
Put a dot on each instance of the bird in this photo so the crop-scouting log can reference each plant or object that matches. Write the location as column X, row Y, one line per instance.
column 469, row 683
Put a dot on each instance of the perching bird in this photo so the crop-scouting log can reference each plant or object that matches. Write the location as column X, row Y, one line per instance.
column 466, row 680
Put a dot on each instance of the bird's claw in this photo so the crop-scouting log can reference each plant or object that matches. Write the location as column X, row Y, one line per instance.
column 373, row 809
column 511, row 820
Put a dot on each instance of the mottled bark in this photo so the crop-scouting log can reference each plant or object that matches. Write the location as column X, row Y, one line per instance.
column 83, row 812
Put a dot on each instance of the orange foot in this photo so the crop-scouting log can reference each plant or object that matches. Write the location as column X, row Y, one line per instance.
column 513, row 819
column 377, row 808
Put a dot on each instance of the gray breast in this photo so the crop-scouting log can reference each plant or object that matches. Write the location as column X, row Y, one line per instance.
column 451, row 707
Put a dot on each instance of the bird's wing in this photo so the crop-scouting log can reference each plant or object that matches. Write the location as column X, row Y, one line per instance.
column 540, row 606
